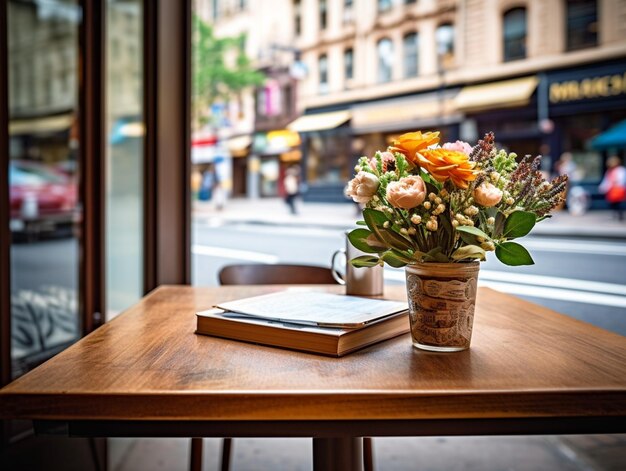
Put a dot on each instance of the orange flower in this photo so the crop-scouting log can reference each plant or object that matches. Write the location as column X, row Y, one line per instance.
column 412, row 142
column 444, row 163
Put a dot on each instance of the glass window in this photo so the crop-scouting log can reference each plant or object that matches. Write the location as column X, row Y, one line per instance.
column 124, row 154
column 582, row 24
column 323, row 14
column 348, row 13
column 410, row 45
column 348, row 60
column 445, row 45
column 384, row 49
column 384, row 5
column 323, row 73
column 44, row 171
column 514, row 31
column 297, row 10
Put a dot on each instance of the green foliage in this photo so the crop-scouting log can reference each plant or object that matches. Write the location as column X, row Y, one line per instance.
column 474, row 231
column 518, row 224
column 512, row 253
column 366, row 241
column 214, row 78
column 365, row 261
column 469, row 252
column 504, row 162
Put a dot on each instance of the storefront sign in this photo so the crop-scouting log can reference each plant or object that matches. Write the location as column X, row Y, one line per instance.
column 588, row 88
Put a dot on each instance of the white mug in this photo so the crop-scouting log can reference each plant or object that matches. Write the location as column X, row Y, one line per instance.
column 365, row 281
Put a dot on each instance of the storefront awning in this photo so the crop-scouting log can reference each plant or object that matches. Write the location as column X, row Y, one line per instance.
column 238, row 146
column 418, row 111
column 320, row 121
column 504, row 94
column 613, row 138
column 44, row 124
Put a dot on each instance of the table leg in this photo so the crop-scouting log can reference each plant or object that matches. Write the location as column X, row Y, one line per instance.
column 338, row 454
column 195, row 455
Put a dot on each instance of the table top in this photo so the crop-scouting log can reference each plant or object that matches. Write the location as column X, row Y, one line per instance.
column 147, row 364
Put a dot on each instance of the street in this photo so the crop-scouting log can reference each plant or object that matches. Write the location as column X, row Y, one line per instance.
column 581, row 278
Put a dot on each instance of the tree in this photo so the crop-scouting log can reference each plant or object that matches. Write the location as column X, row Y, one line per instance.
column 221, row 69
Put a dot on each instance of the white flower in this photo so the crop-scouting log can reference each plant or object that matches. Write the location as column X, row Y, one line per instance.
column 362, row 187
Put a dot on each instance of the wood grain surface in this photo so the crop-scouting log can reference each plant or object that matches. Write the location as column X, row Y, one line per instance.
column 147, row 364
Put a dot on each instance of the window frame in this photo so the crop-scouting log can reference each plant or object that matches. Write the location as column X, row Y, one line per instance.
column 508, row 40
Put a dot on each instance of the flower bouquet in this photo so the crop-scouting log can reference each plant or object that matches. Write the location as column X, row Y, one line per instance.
column 437, row 210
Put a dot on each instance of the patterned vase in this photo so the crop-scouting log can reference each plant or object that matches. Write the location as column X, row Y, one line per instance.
column 441, row 299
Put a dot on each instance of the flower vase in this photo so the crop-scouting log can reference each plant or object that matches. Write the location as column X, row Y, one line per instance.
column 442, row 297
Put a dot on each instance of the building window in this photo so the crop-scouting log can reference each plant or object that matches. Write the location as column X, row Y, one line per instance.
column 323, row 71
column 348, row 13
column 384, row 5
column 408, row 2
column 297, row 10
column 216, row 9
column 348, row 62
column 445, row 45
column 514, row 31
column 384, row 49
column 582, row 24
column 410, row 47
column 323, row 14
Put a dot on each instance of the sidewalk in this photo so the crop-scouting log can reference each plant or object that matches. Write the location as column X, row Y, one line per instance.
column 274, row 211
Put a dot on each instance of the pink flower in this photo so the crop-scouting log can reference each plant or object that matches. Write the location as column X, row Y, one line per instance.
column 406, row 193
column 388, row 162
column 487, row 195
column 362, row 187
column 459, row 146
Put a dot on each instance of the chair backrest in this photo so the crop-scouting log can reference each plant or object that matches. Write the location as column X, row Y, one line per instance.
column 260, row 274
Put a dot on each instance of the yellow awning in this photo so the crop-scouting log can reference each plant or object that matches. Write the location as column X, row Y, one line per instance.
column 238, row 146
column 44, row 124
column 418, row 111
column 320, row 121
column 504, row 94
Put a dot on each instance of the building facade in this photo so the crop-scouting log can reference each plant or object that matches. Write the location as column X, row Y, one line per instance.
column 545, row 76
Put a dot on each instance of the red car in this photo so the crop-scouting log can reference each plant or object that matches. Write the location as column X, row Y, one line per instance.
column 42, row 199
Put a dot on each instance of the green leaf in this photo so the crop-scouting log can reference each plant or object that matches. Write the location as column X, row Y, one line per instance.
column 361, row 223
column 512, row 253
column 366, row 241
column 374, row 218
column 365, row 261
column 393, row 239
column 436, row 255
column 393, row 260
column 518, row 224
column 498, row 227
column 473, row 252
column 474, row 231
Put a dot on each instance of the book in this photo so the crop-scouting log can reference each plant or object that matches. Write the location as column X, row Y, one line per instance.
column 331, row 341
column 315, row 308
column 316, row 322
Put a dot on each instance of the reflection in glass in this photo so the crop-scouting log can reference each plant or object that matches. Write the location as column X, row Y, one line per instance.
column 124, row 156
column 384, row 50
column 43, row 179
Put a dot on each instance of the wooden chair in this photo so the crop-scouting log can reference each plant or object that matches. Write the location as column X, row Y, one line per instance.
column 260, row 274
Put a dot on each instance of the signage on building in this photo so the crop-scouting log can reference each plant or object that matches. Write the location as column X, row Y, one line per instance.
column 588, row 84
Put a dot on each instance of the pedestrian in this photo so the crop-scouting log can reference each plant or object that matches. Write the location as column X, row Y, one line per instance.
column 613, row 185
column 291, row 184
column 566, row 166
column 206, row 187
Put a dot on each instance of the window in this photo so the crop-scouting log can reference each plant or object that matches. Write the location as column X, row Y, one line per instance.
column 348, row 11
column 514, row 32
column 408, row 2
column 323, row 14
column 348, row 62
column 384, row 5
column 445, row 45
column 410, row 43
column 297, row 9
column 384, row 49
column 323, row 71
column 582, row 24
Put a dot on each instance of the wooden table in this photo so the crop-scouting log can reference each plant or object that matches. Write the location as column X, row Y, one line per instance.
column 529, row 371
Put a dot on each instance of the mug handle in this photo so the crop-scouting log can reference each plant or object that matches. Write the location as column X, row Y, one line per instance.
column 336, row 275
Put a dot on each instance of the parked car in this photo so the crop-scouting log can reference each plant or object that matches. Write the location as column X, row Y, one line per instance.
column 42, row 199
